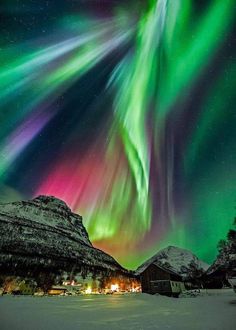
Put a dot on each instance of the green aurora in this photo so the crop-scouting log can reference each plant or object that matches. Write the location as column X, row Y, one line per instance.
column 128, row 116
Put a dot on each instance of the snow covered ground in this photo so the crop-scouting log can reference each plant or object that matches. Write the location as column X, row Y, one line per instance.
column 212, row 310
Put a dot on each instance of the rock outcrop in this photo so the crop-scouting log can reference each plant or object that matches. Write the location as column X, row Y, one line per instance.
column 44, row 233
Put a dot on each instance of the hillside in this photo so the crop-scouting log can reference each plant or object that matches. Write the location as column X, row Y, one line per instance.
column 44, row 233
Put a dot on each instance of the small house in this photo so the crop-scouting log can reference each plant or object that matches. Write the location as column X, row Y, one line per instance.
column 57, row 290
column 158, row 279
column 24, row 287
column 27, row 287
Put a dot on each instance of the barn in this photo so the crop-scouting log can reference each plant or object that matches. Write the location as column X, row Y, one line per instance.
column 156, row 278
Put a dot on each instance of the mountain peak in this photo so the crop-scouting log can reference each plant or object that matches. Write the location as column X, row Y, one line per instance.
column 50, row 200
column 172, row 247
column 180, row 260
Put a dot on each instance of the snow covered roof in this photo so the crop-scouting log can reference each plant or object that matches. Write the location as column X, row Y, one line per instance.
column 166, row 269
column 58, row 287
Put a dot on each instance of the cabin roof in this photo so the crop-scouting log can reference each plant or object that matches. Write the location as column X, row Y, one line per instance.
column 57, row 287
column 166, row 269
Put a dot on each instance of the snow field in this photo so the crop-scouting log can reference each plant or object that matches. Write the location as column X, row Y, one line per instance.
column 208, row 311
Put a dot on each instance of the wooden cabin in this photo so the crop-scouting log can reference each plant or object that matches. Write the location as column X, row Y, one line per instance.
column 158, row 279
column 57, row 290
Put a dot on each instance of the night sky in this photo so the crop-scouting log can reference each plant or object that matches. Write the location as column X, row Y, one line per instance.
column 126, row 111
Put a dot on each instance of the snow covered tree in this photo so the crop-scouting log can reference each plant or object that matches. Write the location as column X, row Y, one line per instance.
column 227, row 249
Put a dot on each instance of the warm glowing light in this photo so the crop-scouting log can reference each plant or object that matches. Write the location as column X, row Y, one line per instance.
column 88, row 290
column 114, row 287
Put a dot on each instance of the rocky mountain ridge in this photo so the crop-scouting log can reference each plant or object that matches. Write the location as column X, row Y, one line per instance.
column 45, row 233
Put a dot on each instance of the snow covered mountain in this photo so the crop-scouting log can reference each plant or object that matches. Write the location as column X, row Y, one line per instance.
column 45, row 233
column 178, row 260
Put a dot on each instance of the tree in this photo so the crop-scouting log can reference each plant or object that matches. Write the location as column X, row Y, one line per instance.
column 46, row 280
column 227, row 249
column 221, row 245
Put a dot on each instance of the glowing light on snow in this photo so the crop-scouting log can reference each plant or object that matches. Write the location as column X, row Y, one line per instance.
column 88, row 290
column 114, row 287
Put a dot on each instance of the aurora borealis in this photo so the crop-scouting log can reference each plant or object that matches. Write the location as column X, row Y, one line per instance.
column 126, row 111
